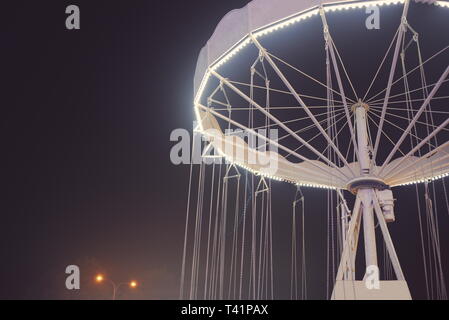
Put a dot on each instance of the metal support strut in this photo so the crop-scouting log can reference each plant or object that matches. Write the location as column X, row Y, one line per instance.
column 368, row 189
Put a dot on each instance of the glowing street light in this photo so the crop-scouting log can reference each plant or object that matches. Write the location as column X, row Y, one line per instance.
column 99, row 278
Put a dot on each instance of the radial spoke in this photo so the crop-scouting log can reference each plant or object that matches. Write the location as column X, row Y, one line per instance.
column 260, row 136
column 422, row 143
column 399, row 41
column 405, row 93
column 418, row 114
column 412, row 110
column 296, row 120
column 380, row 66
column 411, row 71
column 338, row 133
column 427, row 155
column 273, row 118
column 271, row 108
column 318, row 134
column 303, row 73
column 295, row 94
column 330, row 47
column 345, row 71
column 378, row 105
column 297, row 132
column 280, row 91
column 405, row 118
column 402, row 130
column 385, row 134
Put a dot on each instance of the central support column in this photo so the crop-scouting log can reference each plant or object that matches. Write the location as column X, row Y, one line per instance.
column 369, row 233
column 366, row 194
column 360, row 109
column 372, row 198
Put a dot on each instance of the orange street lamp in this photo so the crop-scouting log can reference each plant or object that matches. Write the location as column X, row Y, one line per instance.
column 99, row 278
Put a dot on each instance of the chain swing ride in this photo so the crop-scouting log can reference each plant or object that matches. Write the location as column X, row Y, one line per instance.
column 253, row 76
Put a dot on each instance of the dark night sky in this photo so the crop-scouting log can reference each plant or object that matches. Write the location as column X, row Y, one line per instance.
column 86, row 120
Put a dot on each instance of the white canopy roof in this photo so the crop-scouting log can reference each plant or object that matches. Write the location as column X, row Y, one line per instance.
column 259, row 16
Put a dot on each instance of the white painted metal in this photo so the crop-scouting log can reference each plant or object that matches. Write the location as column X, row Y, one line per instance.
column 264, row 16
column 418, row 146
column 369, row 234
column 281, row 124
column 360, row 110
column 345, row 214
column 347, row 254
column 402, row 29
column 388, row 242
column 309, row 172
column 243, row 27
column 432, row 165
column 386, row 202
column 300, row 101
column 346, row 287
column 415, row 118
column 367, row 202
column 366, row 195
column 330, row 47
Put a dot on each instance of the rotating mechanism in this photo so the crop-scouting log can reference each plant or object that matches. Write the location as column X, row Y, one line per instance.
column 367, row 181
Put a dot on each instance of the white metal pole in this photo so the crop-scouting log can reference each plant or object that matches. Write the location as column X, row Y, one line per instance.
column 362, row 138
column 268, row 140
column 415, row 118
column 300, row 101
column 346, row 254
column 369, row 233
column 389, row 243
column 330, row 47
column 345, row 212
column 366, row 195
column 402, row 30
column 422, row 143
column 277, row 121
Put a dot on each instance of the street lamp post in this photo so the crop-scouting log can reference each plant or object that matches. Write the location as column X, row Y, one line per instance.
column 115, row 287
